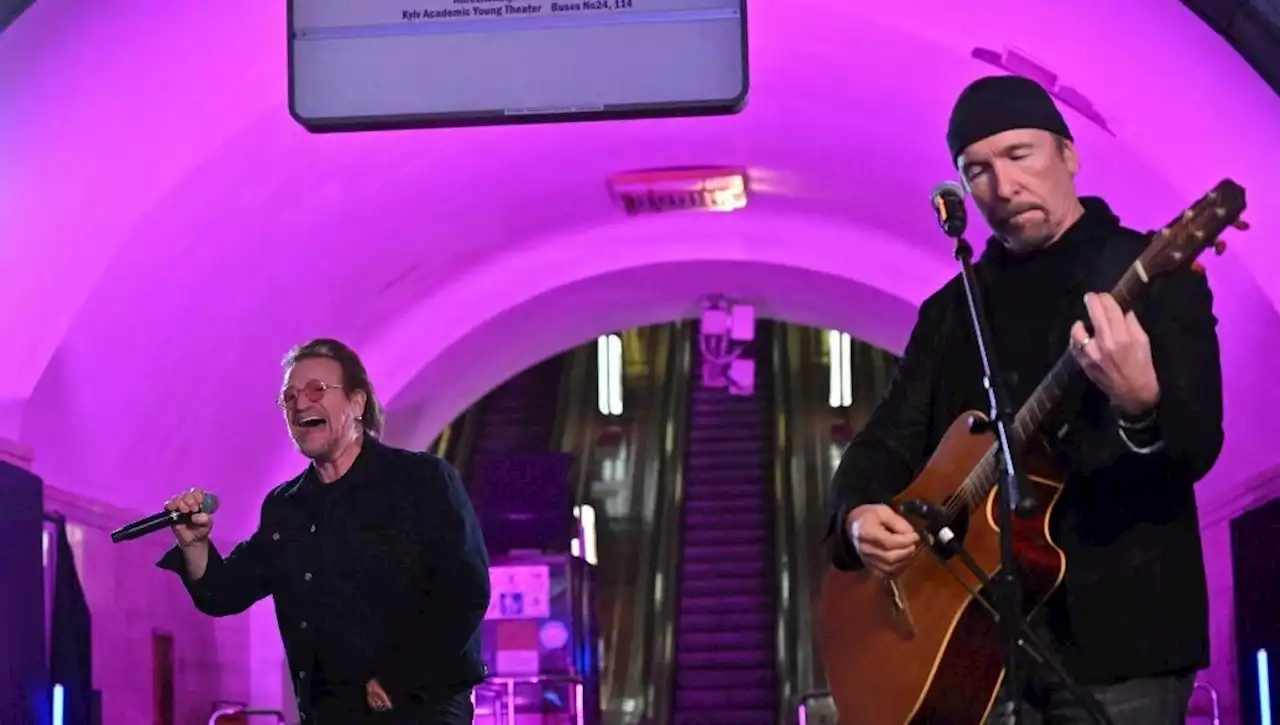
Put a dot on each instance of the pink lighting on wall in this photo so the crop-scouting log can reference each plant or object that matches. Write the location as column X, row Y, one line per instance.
column 128, row 603
column 156, row 188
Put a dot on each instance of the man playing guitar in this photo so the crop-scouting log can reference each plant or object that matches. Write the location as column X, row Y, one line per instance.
column 1129, row 621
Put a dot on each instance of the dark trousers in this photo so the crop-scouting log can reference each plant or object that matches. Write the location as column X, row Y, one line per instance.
column 1045, row 701
column 407, row 710
column 1144, row 701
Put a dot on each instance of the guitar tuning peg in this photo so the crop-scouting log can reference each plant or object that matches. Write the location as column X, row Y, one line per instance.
column 1219, row 247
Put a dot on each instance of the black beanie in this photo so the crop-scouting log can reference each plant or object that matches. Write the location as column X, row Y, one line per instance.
column 995, row 104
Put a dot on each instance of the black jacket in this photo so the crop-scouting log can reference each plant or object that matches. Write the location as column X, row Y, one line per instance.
column 382, row 573
column 1134, row 602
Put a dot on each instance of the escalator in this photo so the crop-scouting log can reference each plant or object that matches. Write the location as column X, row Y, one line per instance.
column 739, row 531
column 726, row 641
column 521, row 414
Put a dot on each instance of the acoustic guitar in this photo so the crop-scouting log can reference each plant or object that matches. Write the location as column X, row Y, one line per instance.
column 923, row 647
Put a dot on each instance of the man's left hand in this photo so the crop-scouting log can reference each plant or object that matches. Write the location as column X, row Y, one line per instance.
column 1117, row 358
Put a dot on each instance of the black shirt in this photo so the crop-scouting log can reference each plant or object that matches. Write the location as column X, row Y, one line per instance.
column 335, row 540
column 1024, row 296
column 380, row 574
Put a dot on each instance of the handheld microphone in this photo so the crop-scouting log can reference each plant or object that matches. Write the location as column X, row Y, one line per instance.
column 162, row 520
column 947, row 201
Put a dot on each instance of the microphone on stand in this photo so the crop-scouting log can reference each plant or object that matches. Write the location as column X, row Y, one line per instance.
column 160, row 521
column 947, row 201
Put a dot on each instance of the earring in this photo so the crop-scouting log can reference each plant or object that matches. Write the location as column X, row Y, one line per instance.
column 359, row 418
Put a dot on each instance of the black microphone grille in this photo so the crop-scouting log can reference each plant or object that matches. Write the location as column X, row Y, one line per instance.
column 948, row 188
column 209, row 504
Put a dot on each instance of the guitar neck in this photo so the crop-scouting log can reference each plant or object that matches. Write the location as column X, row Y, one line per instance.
column 1050, row 391
column 1177, row 244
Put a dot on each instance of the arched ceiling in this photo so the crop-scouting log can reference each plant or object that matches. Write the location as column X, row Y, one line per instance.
column 169, row 230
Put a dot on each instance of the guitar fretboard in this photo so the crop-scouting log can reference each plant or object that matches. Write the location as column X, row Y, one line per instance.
column 1046, row 396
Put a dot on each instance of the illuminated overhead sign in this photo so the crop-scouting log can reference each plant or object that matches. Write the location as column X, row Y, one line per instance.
column 653, row 191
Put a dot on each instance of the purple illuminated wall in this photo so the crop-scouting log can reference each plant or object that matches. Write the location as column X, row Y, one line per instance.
column 168, row 231
column 129, row 602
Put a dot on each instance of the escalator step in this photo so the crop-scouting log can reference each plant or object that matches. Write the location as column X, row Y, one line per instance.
column 696, row 641
column 748, row 449
column 724, row 661
column 728, row 506
column 726, row 537
column 723, row 586
column 707, row 491
column 727, row 621
column 741, row 602
column 759, row 520
column 725, row 717
column 747, row 465
column 717, row 475
column 724, row 698
column 752, row 431
column 716, row 554
column 705, row 679
column 708, row 566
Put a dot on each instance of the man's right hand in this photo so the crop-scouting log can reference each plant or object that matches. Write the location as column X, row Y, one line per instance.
column 883, row 538
column 194, row 533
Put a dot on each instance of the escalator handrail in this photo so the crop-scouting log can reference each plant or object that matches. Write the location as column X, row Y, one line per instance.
column 455, row 436
column 461, row 440
column 573, row 433
column 811, row 478
column 784, row 517
column 663, row 547
column 444, row 442
column 575, row 425
column 642, row 474
column 564, row 431
column 803, row 479
column 870, row 383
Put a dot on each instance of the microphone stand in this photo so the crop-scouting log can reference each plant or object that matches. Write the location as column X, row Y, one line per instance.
column 1013, row 491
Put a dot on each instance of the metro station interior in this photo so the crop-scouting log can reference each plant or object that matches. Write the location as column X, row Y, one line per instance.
column 643, row 343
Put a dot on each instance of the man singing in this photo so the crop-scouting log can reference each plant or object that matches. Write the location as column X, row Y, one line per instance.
column 374, row 557
column 1130, row 622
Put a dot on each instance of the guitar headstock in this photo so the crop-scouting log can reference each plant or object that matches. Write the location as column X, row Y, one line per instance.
column 1197, row 229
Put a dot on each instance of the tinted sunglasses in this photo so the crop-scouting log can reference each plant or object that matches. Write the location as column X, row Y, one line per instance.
column 313, row 391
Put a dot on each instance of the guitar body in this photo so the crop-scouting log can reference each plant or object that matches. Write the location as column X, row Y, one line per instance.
column 922, row 648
